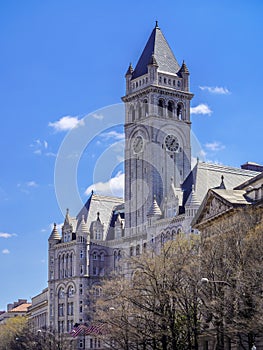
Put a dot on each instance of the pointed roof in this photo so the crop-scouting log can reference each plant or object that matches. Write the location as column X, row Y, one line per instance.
column 163, row 55
column 102, row 204
column 129, row 70
column 184, row 69
column 155, row 209
column 83, row 227
column 222, row 185
column 67, row 218
column 54, row 234
column 192, row 200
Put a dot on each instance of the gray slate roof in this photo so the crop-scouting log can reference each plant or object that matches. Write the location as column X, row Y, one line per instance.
column 102, row 204
column 235, row 197
column 205, row 176
column 163, row 55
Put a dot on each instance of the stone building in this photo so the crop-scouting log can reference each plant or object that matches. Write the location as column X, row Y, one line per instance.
column 38, row 311
column 17, row 308
column 236, row 213
column 162, row 192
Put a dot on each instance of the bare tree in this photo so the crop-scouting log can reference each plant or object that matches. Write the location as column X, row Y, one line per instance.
column 156, row 307
column 232, row 258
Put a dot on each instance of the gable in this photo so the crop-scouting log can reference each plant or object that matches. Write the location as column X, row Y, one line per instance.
column 212, row 207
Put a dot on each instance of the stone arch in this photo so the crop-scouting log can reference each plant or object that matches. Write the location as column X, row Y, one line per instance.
column 170, row 108
column 180, row 111
column 161, row 107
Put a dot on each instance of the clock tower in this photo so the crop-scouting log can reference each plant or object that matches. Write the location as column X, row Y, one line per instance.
column 157, row 131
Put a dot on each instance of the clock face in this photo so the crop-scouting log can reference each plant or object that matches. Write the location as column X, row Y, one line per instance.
column 138, row 144
column 171, row 143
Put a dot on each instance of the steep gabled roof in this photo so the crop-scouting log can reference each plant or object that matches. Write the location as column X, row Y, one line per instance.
column 102, row 204
column 163, row 55
column 205, row 176
column 228, row 199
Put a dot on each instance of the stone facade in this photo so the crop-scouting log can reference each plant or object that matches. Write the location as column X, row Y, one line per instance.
column 162, row 193
column 228, row 212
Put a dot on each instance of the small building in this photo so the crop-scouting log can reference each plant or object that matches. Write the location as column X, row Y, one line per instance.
column 17, row 308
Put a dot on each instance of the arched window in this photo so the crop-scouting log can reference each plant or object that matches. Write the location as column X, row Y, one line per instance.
column 59, row 267
column 71, row 264
column 179, row 111
column 132, row 112
column 70, row 291
column 160, row 107
column 145, row 107
column 139, row 110
column 138, row 249
column 115, row 259
column 170, row 108
column 131, row 251
column 61, row 293
column 95, row 256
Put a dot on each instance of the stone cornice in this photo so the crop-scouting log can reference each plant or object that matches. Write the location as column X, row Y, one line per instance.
column 158, row 90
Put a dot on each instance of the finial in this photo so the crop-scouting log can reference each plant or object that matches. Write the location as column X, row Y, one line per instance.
column 67, row 211
column 172, row 179
column 92, row 192
column 197, row 160
column 55, row 225
column 98, row 216
column 156, row 24
column 222, row 185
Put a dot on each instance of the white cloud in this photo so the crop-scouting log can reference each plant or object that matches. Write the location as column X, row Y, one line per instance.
column 6, row 235
column 115, row 186
column 38, row 146
column 215, row 90
column 31, row 184
column 97, row 116
column 113, row 135
column 215, row 146
column 66, row 123
column 50, row 154
column 6, row 251
column 201, row 109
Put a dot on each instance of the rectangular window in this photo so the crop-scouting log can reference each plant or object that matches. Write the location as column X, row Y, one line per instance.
column 81, row 343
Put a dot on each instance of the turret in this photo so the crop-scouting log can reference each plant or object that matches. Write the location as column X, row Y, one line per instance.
column 128, row 77
column 184, row 73
column 54, row 237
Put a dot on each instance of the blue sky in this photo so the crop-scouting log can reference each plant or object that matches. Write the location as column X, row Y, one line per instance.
column 61, row 60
